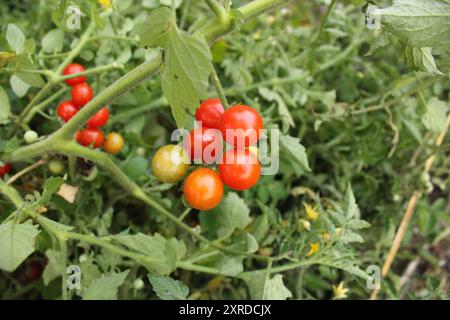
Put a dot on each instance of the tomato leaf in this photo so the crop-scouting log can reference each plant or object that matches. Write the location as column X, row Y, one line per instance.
column 16, row 243
column 156, row 30
column 15, row 38
column 185, row 73
column 424, row 23
column 262, row 287
column 232, row 213
column 435, row 115
column 167, row 288
column 106, row 287
column 5, row 108
column 294, row 148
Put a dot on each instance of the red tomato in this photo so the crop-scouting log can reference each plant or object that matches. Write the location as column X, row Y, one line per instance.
column 203, row 189
column 34, row 272
column 81, row 94
column 204, row 144
column 71, row 69
column 241, row 125
column 99, row 119
column 90, row 137
column 239, row 169
column 209, row 113
column 7, row 167
column 66, row 110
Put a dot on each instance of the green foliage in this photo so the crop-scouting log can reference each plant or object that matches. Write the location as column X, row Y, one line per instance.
column 167, row 288
column 17, row 243
column 354, row 107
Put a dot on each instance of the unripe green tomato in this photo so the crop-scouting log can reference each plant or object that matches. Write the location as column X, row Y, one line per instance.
column 30, row 136
column 170, row 163
column 56, row 166
column 138, row 284
column 140, row 151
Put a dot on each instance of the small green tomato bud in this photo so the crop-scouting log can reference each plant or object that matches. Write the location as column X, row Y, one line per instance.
column 30, row 136
column 140, row 151
column 56, row 166
column 82, row 258
column 138, row 284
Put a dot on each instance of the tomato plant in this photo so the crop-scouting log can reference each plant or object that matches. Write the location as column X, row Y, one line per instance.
column 335, row 165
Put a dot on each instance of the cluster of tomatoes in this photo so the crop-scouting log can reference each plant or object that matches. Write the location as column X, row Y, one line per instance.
column 240, row 127
column 81, row 94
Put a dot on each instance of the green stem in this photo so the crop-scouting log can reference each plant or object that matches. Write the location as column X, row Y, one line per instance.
column 122, row 85
column 217, row 9
column 324, row 21
column 77, row 49
column 270, row 82
column 39, row 107
column 184, row 214
column 38, row 97
column 72, row 167
column 63, row 248
column 219, row 89
column 95, row 70
column 49, row 85
column 126, row 115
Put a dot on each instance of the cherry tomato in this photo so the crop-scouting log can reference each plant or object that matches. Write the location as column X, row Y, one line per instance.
column 239, row 169
column 204, row 144
column 7, row 167
column 30, row 136
column 56, row 166
column 170, row 163
column 203, row 189
column 66, row 110
column 90, row 137
column 34, row 271
column 209, row 113
column 241, row 125
column 99, row 119
column 71, row 69
column 81, row 94
column 113, row 143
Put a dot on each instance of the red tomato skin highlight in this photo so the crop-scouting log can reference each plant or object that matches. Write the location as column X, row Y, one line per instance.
column 71, row 69
column 241, row 118
column 210, row 112
column 239, row 169
column 99, row 119
column 66, row 110
column 90, row 137
column 6, row 168
column 203, row 189
column 81, row 94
